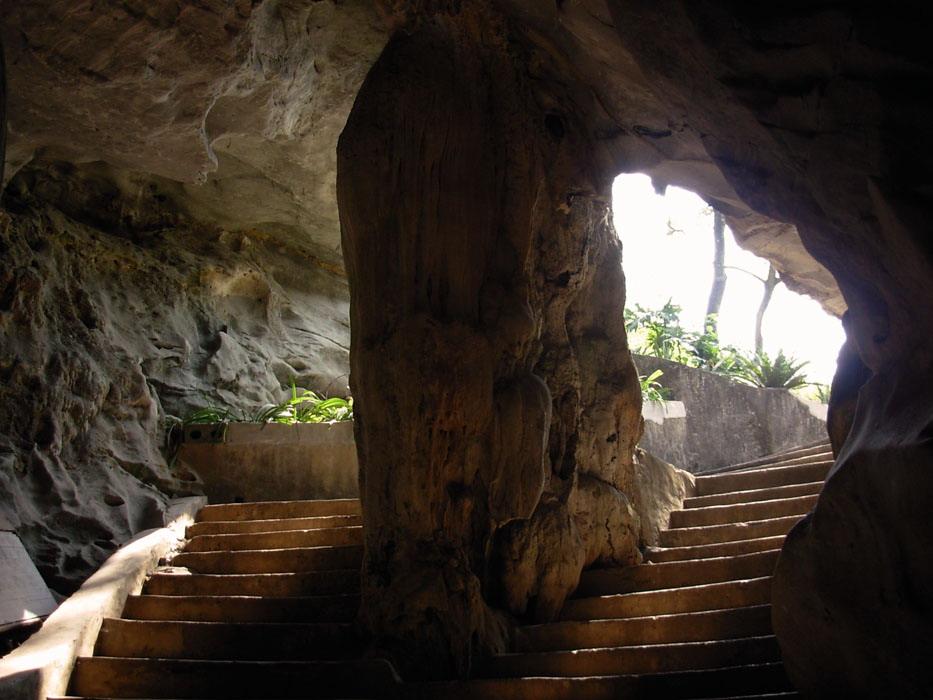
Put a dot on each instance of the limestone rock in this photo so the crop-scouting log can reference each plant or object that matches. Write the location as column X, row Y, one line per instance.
column 660, row 489
column 815, row 115
column 498, row 404
column 237, row 104
column 851, row 374
column 105, row 333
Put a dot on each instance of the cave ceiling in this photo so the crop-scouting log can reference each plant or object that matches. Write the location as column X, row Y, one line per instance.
column 232, row 110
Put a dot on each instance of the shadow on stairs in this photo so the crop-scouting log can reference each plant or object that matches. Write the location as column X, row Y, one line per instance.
column 261, row 588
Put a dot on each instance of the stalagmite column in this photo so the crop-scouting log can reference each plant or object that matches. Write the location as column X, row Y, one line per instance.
column 497, row 404
column 2, row 114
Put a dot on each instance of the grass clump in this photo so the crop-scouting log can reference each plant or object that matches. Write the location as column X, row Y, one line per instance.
column 778, row 372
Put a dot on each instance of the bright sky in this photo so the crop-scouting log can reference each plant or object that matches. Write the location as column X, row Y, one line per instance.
column 659, row 266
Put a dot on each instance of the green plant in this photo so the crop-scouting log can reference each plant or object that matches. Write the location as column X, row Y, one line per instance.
column 651, row 389
column 780, row 372
column 306, row 407
column 303, row 407
column 822, row 392
column 710, row 355
column 658, row 333
column 814, row 392
column 210, row 414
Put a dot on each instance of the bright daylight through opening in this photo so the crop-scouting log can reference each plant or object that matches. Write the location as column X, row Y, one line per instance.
column 668, row 252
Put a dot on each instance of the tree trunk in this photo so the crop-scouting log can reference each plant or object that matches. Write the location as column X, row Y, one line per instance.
column 719, row 273
column 772, row 282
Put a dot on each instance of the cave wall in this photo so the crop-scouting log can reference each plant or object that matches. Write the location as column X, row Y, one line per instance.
column 816, row 115
column 171, row 239
column 498, row 404
column 237, row 104
column 805, row 123
column 110, row 326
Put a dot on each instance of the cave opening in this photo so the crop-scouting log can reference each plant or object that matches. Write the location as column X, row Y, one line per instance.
column 733, row 363
column 687, row 269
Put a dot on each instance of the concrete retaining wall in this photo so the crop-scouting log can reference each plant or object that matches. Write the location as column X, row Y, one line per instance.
column 272, row 462
column 726, row 422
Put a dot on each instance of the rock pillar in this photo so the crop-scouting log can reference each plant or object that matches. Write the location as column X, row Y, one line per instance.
column 2, row 115
column 496, row 402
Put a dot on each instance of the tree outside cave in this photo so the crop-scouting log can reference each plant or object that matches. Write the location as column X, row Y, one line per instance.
column 669, row 249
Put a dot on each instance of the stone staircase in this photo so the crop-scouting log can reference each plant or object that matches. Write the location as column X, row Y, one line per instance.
column 261, row 588
column 259, row 604
column 694, row 621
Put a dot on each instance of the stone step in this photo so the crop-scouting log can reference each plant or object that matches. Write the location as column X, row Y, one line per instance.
column 694, row 572
column 287, row 539
column 711, row 596
column 824, row 456
column 271, row 561
column 312, row 583
column 710, row 625
column 642, row 659
column 117, row 677
column 271, row 510
column 732, row 532
column 770, row 494
column 238, row 527
column 767, row 696
column 227, row 641
column 740, row 680
column 819, row 450
column 336, row 608
column 762, row 478
column 708, row 551
column 743, row 512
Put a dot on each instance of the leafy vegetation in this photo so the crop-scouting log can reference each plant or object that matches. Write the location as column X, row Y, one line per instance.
column 210, row 414
column 307, row 407
column 651, row 389
column 659, row 333
column 304, row 407
column 822, row 392
column 779, row 372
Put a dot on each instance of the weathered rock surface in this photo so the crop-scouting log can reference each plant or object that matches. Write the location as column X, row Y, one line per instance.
column 104, row 332
column 851, row 374
column 660, row 489
column 815, row 114
column 196, row 145
column 727, row 422
column 237, row 104
column 482, row 269
column 498, row 405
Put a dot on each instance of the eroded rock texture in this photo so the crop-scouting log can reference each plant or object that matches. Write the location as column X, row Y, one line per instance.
column 238, row 104
column 172, row 239
column 108, row 328
column 815, row 115
column 497, row 400
column 499, row 404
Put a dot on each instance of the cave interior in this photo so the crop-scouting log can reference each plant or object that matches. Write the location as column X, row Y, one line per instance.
column 206, row 199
